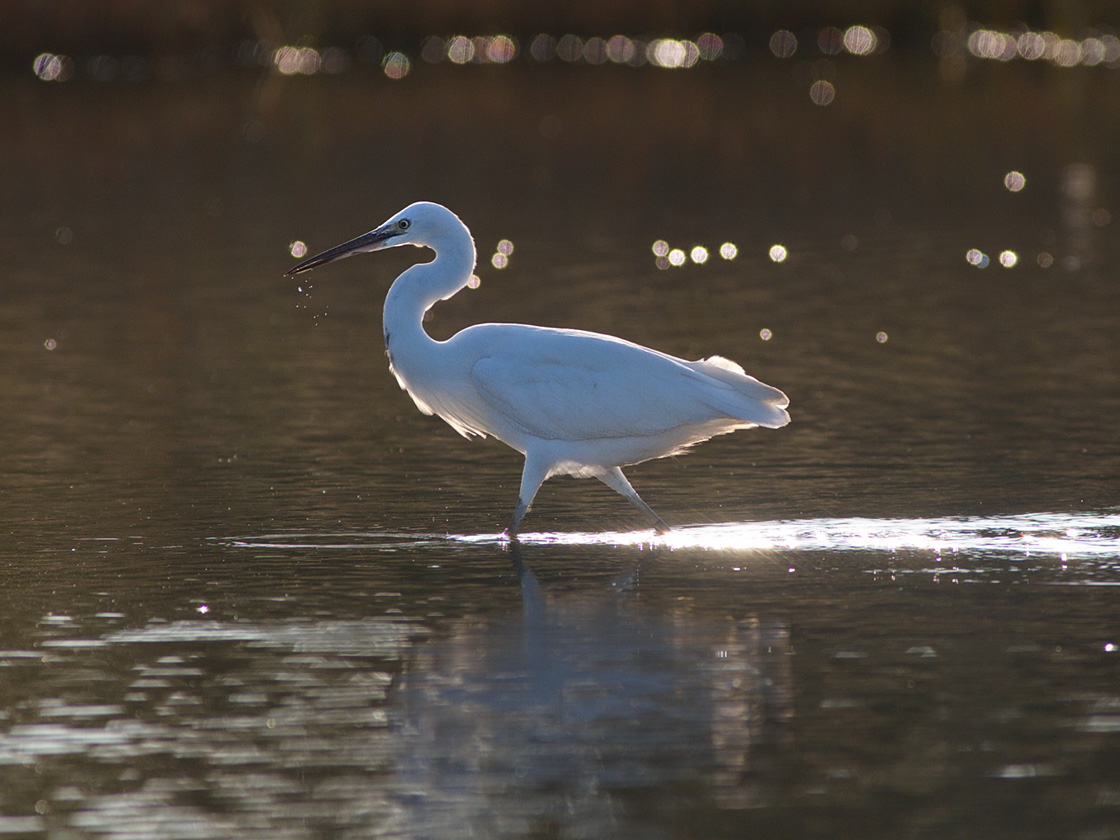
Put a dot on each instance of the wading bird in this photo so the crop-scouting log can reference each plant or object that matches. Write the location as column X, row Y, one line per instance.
column 572, row 402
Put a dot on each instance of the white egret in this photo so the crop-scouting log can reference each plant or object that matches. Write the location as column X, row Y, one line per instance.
column 572, row 402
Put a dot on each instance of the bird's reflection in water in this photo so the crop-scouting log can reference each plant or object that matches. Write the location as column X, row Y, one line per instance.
column 588, row 709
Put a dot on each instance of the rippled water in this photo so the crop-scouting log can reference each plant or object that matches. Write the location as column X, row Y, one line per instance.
column 248, row 591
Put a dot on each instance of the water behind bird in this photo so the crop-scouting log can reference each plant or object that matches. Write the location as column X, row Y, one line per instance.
column 249, row 590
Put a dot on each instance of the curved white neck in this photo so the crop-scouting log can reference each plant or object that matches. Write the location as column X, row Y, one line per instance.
column 423, row 285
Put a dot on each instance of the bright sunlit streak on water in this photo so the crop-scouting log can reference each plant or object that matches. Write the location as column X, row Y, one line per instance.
column 1040, row 533
column 1052, row 534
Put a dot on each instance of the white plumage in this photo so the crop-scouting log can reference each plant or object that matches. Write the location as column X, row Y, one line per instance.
column 572, row 402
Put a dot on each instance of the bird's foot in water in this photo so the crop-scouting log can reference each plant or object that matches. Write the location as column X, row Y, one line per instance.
column 656, row 522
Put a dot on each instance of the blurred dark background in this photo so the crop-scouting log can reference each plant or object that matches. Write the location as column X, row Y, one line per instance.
column 150, row 29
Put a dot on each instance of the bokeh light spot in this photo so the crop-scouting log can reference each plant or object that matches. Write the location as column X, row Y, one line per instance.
column 52, row 68
column 677, row 257
column 291, row 61
column 859, row 40
column 710, row 46
column 830, row 40
column 460, row 49
column 728, row 251
column 502, row 49
column 1031, row 46
column 778, row 253
column 672, row 54
column 1068, row 54
column 569, row 48
column 297, row 249
column 765, row 334
column 1008, row 259
column 543, row 48
column 396, row 65
column 977, row 258
column 1014, row 181
column 783, row 43
column 822, row 92
column 660, row 248
column 699, row 255
column 595, row 51
column 621, row 50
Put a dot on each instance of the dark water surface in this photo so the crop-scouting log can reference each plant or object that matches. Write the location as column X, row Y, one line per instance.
column 247, row 590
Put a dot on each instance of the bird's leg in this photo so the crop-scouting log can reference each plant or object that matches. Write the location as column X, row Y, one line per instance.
column 615, row 480
column 532, row 477
column 515, row 523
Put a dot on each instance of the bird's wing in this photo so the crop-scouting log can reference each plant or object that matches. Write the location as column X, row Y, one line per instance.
column 569, row 385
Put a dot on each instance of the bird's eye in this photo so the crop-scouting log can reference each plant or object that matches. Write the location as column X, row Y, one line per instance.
column 404, row 224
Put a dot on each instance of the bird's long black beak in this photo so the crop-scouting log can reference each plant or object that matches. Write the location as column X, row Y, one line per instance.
column 372, row 241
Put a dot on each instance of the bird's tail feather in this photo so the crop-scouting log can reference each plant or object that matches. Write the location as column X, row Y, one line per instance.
column 746, row 398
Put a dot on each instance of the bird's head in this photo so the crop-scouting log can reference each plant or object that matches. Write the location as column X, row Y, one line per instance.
column 422, row 224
